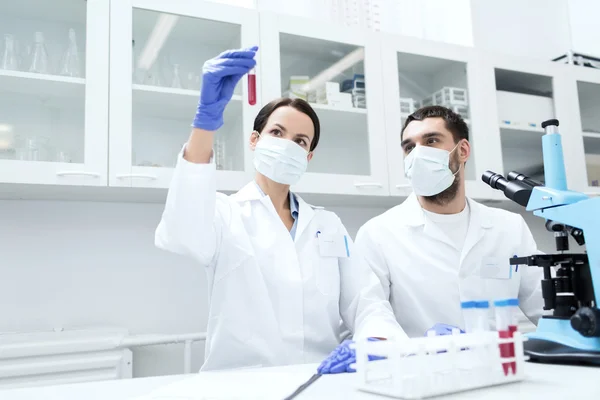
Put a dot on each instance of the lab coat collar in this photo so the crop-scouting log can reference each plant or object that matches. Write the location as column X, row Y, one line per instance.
column 414, row 215
column 253, row 192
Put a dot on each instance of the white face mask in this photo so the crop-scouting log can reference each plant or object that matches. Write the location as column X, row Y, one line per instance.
column 280, row 160
column 428, row 170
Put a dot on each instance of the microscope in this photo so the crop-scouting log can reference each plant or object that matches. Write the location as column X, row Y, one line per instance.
column 571, row 284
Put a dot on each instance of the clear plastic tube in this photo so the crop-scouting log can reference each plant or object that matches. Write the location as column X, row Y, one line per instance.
column 482, row 312
column 469, row 315
column 252, row 87
column 513, row 327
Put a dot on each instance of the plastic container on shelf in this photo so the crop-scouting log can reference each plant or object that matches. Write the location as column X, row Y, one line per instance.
column 450, row 96
column 408, row 105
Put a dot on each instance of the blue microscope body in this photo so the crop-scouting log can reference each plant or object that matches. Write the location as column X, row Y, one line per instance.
column 571, row 284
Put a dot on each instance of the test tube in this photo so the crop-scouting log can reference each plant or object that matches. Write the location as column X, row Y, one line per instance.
column 482, row 311
column 252, row 87
column 469, row 315
column 513, row 326
column 503, row 320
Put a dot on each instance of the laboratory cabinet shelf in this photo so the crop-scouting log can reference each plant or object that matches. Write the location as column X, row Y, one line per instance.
column 41, row 85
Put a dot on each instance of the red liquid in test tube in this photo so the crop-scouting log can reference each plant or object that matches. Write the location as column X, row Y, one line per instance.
column 503, row 321
column 513, row 326
column 252, row 87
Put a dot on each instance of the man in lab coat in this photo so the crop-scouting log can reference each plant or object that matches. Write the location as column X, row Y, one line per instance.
column 440, row 248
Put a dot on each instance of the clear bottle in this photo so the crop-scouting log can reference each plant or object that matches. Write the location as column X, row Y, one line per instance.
column 9, row 58
column 70, row 63
column 176, row 82
column 39, row 59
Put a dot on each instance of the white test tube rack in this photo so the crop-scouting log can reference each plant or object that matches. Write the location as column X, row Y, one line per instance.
column 420, row 368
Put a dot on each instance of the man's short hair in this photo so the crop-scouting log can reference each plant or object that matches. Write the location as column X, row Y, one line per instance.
column 454, row 122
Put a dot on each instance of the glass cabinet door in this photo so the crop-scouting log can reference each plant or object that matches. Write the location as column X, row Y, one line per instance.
column 162, row 48
column 422, row 74
column 337, row 70
column 524, row 101
column 589, row 105
column 54, row 91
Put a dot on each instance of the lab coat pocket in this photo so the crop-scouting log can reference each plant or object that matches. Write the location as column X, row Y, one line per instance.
column 327, row 275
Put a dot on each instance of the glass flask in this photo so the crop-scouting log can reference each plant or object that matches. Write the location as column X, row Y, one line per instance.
column 9, row 57
column 70, row 63
column 39, row 59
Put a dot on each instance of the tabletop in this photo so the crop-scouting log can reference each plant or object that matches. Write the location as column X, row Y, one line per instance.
column 543, row 382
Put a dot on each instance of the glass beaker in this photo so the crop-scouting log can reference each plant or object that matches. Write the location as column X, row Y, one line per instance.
column 32, row 148
column 70, row 63
column 39, row 59
column 176, row 82
column 9, row 57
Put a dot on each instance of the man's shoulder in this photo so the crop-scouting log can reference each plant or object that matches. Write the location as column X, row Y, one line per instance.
column 392, row 218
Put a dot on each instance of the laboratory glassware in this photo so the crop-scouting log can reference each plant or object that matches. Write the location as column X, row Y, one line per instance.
column 176, row 82
column 469, row 315
column 252, row 87
column 32, row 148
column 219, row 152
column 9, row 57
column 70, row 64
column 39, row 59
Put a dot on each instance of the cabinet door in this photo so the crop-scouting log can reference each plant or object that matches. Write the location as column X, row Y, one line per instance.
column 526, row 94
column 54, row 92
column 588, row 95
column 158, row 49
column 338, row 70
column 420, row 73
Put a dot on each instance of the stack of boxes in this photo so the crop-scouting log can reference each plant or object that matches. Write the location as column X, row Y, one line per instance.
column 357, row 89
column 351, row 95
column 450, row 97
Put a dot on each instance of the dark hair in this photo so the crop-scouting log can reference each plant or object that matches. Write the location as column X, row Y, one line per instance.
column 263, row 115
column 454, row 122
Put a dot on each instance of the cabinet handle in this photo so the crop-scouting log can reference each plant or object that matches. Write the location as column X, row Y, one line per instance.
column 78, row 173
column 403, row 186
column 368, row 184
column 141, row 176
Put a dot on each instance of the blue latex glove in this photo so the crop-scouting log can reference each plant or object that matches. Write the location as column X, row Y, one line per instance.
column 443, row 329
column 341, row 359
column 219, row 77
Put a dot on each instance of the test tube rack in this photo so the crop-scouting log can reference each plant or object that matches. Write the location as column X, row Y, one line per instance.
column 420, row 368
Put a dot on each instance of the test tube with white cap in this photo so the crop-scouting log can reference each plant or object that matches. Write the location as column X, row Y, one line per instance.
column 513, row 326
column 482, row 308
column 469, row 315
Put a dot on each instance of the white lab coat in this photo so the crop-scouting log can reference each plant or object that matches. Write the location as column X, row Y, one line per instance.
column 426, row 277
column 272, row 300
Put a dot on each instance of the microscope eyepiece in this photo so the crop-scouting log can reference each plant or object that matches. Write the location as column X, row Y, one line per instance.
column 496, row 181
column 515, row 176
column 550, row 122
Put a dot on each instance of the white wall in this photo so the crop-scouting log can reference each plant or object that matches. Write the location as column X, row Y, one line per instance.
column 72, row 264
column 532, row 28
column 583, row 17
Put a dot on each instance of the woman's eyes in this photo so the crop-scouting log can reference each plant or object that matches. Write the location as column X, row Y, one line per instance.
column 276, row 132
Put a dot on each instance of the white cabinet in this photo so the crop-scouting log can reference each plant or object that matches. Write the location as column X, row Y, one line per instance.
column 157, row 52
column 299, row 57
column 54, row 92
column 588, row 95
column 109, row 96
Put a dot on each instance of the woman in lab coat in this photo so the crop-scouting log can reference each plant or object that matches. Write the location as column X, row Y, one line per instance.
column 281, row 273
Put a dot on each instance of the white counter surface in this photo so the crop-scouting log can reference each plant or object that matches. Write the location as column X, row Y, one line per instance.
column 544, row 382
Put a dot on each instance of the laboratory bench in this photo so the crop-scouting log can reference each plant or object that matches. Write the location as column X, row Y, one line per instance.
column 543, row 382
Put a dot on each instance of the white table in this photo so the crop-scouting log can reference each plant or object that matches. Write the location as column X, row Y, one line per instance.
column 544, row 382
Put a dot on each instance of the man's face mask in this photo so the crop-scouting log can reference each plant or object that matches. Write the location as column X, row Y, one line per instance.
column 428, row 170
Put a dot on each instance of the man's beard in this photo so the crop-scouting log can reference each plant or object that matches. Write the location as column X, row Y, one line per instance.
column 445, row 197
